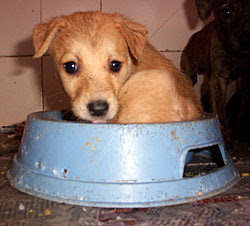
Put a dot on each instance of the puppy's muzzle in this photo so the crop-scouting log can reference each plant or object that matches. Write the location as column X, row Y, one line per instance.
column 98, row 108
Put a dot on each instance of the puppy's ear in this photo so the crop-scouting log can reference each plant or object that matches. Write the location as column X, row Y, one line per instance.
column 204, row 8
column 134, row 33
column 43, row 35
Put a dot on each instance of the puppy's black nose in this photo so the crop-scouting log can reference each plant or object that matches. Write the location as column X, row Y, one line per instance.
column 98, row 108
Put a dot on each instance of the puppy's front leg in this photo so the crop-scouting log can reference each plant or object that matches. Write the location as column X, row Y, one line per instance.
column 217, row 97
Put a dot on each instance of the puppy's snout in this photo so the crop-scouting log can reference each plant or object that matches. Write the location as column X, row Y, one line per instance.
column 98, row 108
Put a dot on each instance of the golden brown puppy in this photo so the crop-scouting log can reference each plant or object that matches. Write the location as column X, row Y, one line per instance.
column 153, row 96
column 96, row 53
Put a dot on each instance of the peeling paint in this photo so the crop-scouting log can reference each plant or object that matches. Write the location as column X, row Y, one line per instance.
column 86, row 145
column 120, row 159
column 199, row 193
column 39, row 165
column 173, row 134
column 55, row 172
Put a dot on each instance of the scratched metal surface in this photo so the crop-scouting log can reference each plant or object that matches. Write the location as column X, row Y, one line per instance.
column 17, row 208
column 134, row 166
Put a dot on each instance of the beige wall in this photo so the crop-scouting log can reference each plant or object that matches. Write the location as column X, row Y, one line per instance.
column 28, row 85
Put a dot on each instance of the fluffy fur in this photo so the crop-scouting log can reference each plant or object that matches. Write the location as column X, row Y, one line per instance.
column 93, row 40
column 153, row 96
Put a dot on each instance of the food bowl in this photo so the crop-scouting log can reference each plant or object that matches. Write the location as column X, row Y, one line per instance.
column 121, row 166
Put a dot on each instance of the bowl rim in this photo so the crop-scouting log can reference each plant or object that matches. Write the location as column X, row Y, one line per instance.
column 41, row 117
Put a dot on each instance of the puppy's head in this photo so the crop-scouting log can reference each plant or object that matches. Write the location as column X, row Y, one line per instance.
column 93, row 52
column 233, row 21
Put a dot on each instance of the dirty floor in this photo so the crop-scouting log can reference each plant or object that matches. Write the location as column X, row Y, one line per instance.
column 16, row 208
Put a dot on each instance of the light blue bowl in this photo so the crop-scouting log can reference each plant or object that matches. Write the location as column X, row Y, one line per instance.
column 112, row 165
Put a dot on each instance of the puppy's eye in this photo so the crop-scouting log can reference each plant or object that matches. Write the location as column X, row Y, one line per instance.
column 71, row 67
column 225, row 12
column 115, row 66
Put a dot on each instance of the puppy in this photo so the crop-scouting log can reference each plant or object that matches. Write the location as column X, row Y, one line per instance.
column 96, row 54
column 153, row 96
column 221, row 50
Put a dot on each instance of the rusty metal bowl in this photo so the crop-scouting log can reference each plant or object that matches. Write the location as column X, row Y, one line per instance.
column 112, row 165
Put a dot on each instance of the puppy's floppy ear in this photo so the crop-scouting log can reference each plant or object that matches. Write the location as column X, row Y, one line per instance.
column 43, row 35
column 204, row 8
column 134, row 33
